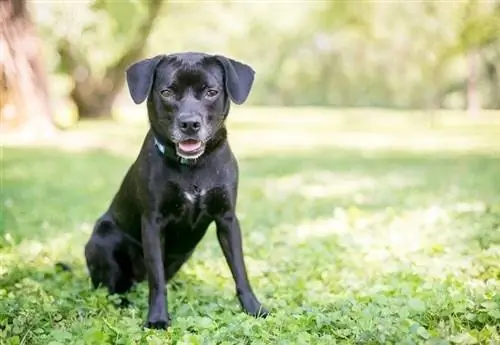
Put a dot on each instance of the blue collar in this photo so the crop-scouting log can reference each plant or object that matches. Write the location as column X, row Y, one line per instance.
column 160, row 147
column 163, row 151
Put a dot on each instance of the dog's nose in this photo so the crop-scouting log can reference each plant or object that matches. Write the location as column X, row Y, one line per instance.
column 190, row 125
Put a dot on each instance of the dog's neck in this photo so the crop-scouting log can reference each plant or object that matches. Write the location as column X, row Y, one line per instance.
column 169, row 151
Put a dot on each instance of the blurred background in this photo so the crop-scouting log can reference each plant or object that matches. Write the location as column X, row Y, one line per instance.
column 66, row 59
column 369, row 160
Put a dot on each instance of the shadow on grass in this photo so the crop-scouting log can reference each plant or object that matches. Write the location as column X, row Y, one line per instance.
column 47, row 192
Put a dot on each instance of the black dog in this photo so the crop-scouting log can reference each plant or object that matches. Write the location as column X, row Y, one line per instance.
column 185, row 178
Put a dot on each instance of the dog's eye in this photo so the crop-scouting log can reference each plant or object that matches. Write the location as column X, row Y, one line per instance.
column 211, row 93
column 167, row 93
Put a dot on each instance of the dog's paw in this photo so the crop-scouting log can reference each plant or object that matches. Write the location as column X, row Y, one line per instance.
column 256, row 309
column 157, row 323
column 260, row 312
column 252, row 306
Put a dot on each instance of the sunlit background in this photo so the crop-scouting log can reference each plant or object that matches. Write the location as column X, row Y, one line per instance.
column 369, row 154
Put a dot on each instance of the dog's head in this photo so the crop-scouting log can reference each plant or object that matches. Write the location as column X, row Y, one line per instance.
column 189, row 96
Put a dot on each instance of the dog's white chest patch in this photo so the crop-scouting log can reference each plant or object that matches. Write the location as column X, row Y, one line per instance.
column 192, row 197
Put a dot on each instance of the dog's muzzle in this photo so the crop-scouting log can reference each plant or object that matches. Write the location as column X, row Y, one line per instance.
column 190, row 126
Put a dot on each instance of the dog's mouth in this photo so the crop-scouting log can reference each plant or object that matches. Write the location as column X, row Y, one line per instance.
column 190, row 148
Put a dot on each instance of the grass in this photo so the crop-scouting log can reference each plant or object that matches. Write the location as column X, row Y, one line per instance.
column 360, row 227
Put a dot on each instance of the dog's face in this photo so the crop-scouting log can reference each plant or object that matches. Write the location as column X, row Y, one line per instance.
column 189, row 95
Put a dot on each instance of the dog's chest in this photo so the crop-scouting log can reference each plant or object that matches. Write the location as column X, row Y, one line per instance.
column 189, row 206
column 193, row 197
column 189, row 214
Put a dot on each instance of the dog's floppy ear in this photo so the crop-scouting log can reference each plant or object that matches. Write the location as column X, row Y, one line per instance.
column 238, row 78
column 140, row 77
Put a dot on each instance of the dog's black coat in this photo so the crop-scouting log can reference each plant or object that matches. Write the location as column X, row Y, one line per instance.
column 165, row 204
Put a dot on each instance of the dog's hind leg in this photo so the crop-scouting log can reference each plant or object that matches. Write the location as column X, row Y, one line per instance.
column 107, row 257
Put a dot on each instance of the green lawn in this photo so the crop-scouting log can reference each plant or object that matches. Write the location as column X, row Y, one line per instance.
column 360, row 227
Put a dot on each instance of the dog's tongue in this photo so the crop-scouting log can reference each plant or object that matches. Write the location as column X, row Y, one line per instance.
column 189, row 145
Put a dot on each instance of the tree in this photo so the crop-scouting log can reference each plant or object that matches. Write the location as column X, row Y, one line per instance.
column 479, row 30
column 476, row 42
column 26, row 103
column 96, row 45
column 408, row 54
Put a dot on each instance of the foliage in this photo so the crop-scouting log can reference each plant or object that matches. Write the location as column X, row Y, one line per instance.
column 98, row 30
column 358, row 53
column 95, row 42
column 372, row 229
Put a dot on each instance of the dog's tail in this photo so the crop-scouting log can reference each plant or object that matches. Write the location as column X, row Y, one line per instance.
column 63, row 267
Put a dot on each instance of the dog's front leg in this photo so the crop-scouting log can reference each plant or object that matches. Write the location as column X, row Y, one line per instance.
column 158, row 317
column 229, row 235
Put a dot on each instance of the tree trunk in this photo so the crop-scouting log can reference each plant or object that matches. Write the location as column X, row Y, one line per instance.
column 94, row 97
column 493, row 77
column 473, row 100
column 26, row 103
